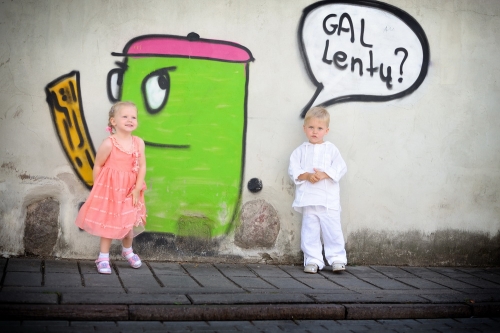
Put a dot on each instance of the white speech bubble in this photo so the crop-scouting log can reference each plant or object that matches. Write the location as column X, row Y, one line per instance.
column 361, row 51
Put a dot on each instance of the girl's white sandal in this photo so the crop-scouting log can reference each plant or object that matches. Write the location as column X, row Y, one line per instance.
column 103, row 266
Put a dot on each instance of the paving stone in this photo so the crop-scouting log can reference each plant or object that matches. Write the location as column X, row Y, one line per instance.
column 401, row 325
column 483, row 295
column 447, row 298
column 284, row 325
column 354, row 326
column 211, row 281
column 10, row 323
column 422, row 272
column 182, row 325
column 235, row 270
column 24, row 265
column 101, row 280
column 327, row 325
column 451, row 272
column 60, row 323
column 386, row 283
column 486, row 275
column 157, row 290
column 286, row 283
column 236, row 312
column 475, row 321
column 369, row 298
column 254, row 298
column 101, row 324
column 61, row 266
column 63, row 279
column 478, row 282
column 438, row 322
column 90, row 298
column 141, row 280
column 491, row 310
column 62, row 289
column 268, row 270
column 406, row 311
column 321, row 283
column 201, row 269
column 24, row 279
column 23, row 297
column 393, row 272
column 399, row 322
column 178, row 281
column 420, row 283
column 363, row 272
column 251, row 283
column 331, row 292
column 64, row 312
column 72, row 330
column 451, row 283
column 412, row 292
column 167, row 268
column 352, row 283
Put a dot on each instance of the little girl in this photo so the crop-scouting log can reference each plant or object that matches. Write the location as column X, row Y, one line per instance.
column 115, row 205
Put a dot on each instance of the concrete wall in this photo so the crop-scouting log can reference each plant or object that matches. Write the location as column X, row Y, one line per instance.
column 423, row 177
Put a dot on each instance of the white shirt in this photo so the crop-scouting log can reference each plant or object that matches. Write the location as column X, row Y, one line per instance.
column 324, row 157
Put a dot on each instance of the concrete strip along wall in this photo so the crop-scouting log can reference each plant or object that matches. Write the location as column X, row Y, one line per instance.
column 221, row 87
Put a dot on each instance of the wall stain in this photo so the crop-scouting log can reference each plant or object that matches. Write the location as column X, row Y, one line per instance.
column 447, row 247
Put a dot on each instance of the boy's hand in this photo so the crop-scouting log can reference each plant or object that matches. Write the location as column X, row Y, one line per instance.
column 313, row 178
column 320, row 175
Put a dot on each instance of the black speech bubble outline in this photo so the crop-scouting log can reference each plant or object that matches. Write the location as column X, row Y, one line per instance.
column 401, row 14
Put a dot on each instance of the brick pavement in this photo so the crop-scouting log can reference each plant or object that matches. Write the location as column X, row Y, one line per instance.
column 72, row 290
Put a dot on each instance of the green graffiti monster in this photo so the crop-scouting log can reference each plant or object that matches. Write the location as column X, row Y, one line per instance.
column 191, row 95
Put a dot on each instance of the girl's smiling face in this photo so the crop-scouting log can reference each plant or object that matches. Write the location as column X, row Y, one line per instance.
column 125, row 119
column 315, row 129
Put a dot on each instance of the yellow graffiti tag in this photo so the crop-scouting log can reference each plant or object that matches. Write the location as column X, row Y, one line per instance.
column 64, row 99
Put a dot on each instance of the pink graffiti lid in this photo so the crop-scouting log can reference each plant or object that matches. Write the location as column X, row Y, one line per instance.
column 191, row 46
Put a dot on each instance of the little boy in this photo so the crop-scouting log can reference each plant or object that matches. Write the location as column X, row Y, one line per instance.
column 316, row 168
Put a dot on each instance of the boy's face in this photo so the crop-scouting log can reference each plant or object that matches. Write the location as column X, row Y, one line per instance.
column 315, row 130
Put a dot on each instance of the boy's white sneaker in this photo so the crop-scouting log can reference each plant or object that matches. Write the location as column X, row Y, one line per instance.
column 338, row 267
column 311, row 268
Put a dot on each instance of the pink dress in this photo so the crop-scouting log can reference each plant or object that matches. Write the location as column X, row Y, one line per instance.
column 108, row 212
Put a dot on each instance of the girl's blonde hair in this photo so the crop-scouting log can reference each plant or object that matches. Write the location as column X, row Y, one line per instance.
column 114, row 109
column 318, row 112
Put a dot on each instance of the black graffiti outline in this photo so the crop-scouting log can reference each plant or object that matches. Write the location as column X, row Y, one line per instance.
column 401, row 14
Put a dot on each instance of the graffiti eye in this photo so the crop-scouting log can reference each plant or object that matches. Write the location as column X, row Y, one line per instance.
column 155, row 89
column 114, row 84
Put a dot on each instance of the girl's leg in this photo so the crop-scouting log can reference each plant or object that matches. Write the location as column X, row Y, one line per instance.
column 128, row 252
column 105, row 245
column 127, row 241
column 102, row 262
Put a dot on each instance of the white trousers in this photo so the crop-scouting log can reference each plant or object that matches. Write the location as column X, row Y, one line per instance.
column 318, row 223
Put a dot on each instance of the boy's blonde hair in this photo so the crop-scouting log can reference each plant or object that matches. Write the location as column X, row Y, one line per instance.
column 318, row 112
